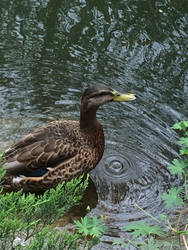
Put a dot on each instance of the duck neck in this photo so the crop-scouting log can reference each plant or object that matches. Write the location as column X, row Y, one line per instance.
column 88, row 118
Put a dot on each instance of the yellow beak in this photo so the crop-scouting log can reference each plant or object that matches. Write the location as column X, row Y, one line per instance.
column 118, row 97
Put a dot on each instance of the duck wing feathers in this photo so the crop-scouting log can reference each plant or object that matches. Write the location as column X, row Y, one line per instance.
column 56, row 152
column 45, row 147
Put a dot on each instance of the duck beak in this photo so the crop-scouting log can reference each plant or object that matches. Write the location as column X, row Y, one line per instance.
column 118, row 97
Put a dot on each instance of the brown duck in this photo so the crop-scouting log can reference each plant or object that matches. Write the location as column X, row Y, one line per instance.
column 60, row 150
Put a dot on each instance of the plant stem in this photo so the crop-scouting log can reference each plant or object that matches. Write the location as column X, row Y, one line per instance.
column 154, row 218
column 185, row 184
column 184, row 239
column 150, row 215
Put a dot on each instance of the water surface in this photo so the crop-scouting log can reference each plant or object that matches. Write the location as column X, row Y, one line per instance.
column 51, row 50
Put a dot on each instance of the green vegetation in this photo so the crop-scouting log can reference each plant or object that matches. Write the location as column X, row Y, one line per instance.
column 171, row 235
column 25, row 219
column 90, row 226
column 50, row 238
column 141, row 228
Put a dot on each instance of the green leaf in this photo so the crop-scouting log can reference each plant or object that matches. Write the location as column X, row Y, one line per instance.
column 121, row 243
column 171, row 198
column 1, row 155
column 177, row 167
column 90, row 226
column 163, row 217
column 184, row 141
column 83, row 226
column 96, row 228
column 97, row 231
column 180, row 125
column 182, row 232
column 2, row 173
column 29, row 213
column 153, row 244
column 184, row 151
column 143, row 228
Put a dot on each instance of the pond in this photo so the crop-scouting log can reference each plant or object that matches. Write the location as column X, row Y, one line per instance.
column 50, row 50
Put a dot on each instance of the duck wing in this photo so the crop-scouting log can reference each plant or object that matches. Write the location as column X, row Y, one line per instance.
column 46, row 147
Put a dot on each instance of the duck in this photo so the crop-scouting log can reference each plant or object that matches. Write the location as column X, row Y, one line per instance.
column 60, row 150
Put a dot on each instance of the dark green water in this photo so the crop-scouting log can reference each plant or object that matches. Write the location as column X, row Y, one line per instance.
column 51, row 50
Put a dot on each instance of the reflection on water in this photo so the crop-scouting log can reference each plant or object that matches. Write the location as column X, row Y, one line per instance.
column 51, row 49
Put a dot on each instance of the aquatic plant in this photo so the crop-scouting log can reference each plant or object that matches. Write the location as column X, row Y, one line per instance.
column 166, row 232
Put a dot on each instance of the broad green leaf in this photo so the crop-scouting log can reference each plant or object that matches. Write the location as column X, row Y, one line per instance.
column 121, row 243
column 177, row 167
column 184, row 151
column 171, row 198
column 83, row 227
column 98, row 230
column 184, row 141
column 90, row 226
column 143, row 228
column 95, row 221
column 180, row 125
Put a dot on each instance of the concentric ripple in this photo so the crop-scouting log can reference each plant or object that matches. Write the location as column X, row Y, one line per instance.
column 118, row 166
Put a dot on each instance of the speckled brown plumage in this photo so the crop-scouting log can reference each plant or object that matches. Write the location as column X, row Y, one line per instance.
column 62, row 149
